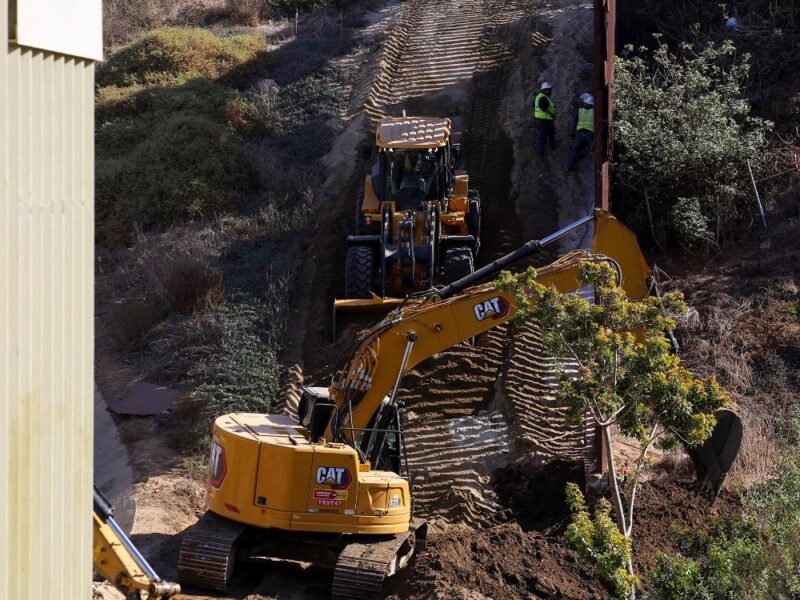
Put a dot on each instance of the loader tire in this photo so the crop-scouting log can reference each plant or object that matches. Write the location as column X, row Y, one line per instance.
column 457, row 264
column 358, row 272
column 474, row 218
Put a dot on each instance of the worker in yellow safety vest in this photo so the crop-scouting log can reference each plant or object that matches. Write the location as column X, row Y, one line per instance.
column 412, row 163
column 544, row 112
column 584, row 131
column 413, row 171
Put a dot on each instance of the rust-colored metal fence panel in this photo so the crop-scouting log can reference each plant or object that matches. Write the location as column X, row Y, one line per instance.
column 605, row 19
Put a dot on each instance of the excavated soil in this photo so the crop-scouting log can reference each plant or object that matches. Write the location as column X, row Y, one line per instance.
column 528, row 559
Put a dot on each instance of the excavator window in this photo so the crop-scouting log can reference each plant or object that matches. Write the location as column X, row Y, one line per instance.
column 387, row 447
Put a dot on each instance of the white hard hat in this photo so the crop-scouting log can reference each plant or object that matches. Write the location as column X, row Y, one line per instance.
column 584, row 96
column 547, row 85
column 588, row 99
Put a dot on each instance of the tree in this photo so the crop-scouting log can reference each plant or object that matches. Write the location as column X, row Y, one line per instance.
column 614, row 364
column 684, row 135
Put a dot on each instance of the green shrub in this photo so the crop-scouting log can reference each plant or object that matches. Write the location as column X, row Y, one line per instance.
column 754, row 556
column 237, row 369
column 688, row 222
column 196, row 97
column 169, row 137
column 173, row 54
column 678, row 577
column 684, row 130
column 182, row 168
column 599, row 541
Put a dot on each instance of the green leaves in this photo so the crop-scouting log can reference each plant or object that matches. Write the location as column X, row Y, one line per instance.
column 626, row 373
column 598, row 540
column 614, row 362
column 684, row 134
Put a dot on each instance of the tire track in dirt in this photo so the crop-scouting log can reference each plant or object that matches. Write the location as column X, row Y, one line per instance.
column 455, row 57
column 476, row 407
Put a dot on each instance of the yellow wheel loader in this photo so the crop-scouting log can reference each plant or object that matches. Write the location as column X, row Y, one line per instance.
column 417, row 221
column 118, row 560
column 333, row 488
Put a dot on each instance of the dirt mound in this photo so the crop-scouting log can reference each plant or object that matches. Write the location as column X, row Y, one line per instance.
column 501, row 562
column 665, row 503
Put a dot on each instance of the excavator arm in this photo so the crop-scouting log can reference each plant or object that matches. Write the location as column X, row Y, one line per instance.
column 450, row 315
column 119, row 561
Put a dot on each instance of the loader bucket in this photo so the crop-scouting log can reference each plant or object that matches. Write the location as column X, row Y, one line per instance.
column 375, row 304
column 714, row 458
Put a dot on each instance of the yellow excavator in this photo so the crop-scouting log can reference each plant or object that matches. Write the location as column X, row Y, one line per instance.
column 117, row 559
column 329, row 489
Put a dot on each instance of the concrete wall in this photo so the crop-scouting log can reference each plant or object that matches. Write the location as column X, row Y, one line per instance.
column 46, row 261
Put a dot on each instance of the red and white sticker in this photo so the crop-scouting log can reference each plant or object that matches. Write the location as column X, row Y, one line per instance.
column 330, row 497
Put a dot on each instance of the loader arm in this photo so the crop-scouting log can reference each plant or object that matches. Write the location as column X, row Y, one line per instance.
column 458, row 312
column 118, row 560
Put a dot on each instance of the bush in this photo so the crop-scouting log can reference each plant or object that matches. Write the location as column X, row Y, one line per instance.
column 196, row 97
column 173, row 54
column 599, row 541
column 754, row 556
column 191, row 287
column 169, row 138
column 179, row 169
column 684, row 135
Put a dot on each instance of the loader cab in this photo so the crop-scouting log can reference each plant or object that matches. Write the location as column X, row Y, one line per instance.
column 411, row 177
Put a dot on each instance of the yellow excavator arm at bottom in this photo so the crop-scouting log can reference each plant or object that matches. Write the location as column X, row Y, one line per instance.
column 120, row 562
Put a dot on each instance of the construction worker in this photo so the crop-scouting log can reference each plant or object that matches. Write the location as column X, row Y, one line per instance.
column 584, row 131
column 544, row 111
column 413, row 172
column 412, row 164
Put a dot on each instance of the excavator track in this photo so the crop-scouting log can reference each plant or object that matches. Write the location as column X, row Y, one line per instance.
column 362, row 568
column 208, row 552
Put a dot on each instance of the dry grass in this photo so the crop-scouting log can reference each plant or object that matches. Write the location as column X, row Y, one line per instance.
column 743, row 327
column 125, row 19
column 192, row 286
column 759, row 455
column 244, row 12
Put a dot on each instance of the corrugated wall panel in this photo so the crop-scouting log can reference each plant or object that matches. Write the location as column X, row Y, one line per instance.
column 46, row 259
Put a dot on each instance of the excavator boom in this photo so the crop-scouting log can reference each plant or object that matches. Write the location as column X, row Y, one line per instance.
column 286, row 489
column 460, row 311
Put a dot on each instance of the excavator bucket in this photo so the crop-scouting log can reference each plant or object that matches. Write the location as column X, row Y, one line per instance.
column 714, row 458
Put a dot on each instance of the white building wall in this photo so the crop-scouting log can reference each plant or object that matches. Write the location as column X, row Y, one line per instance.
column 46, row 263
